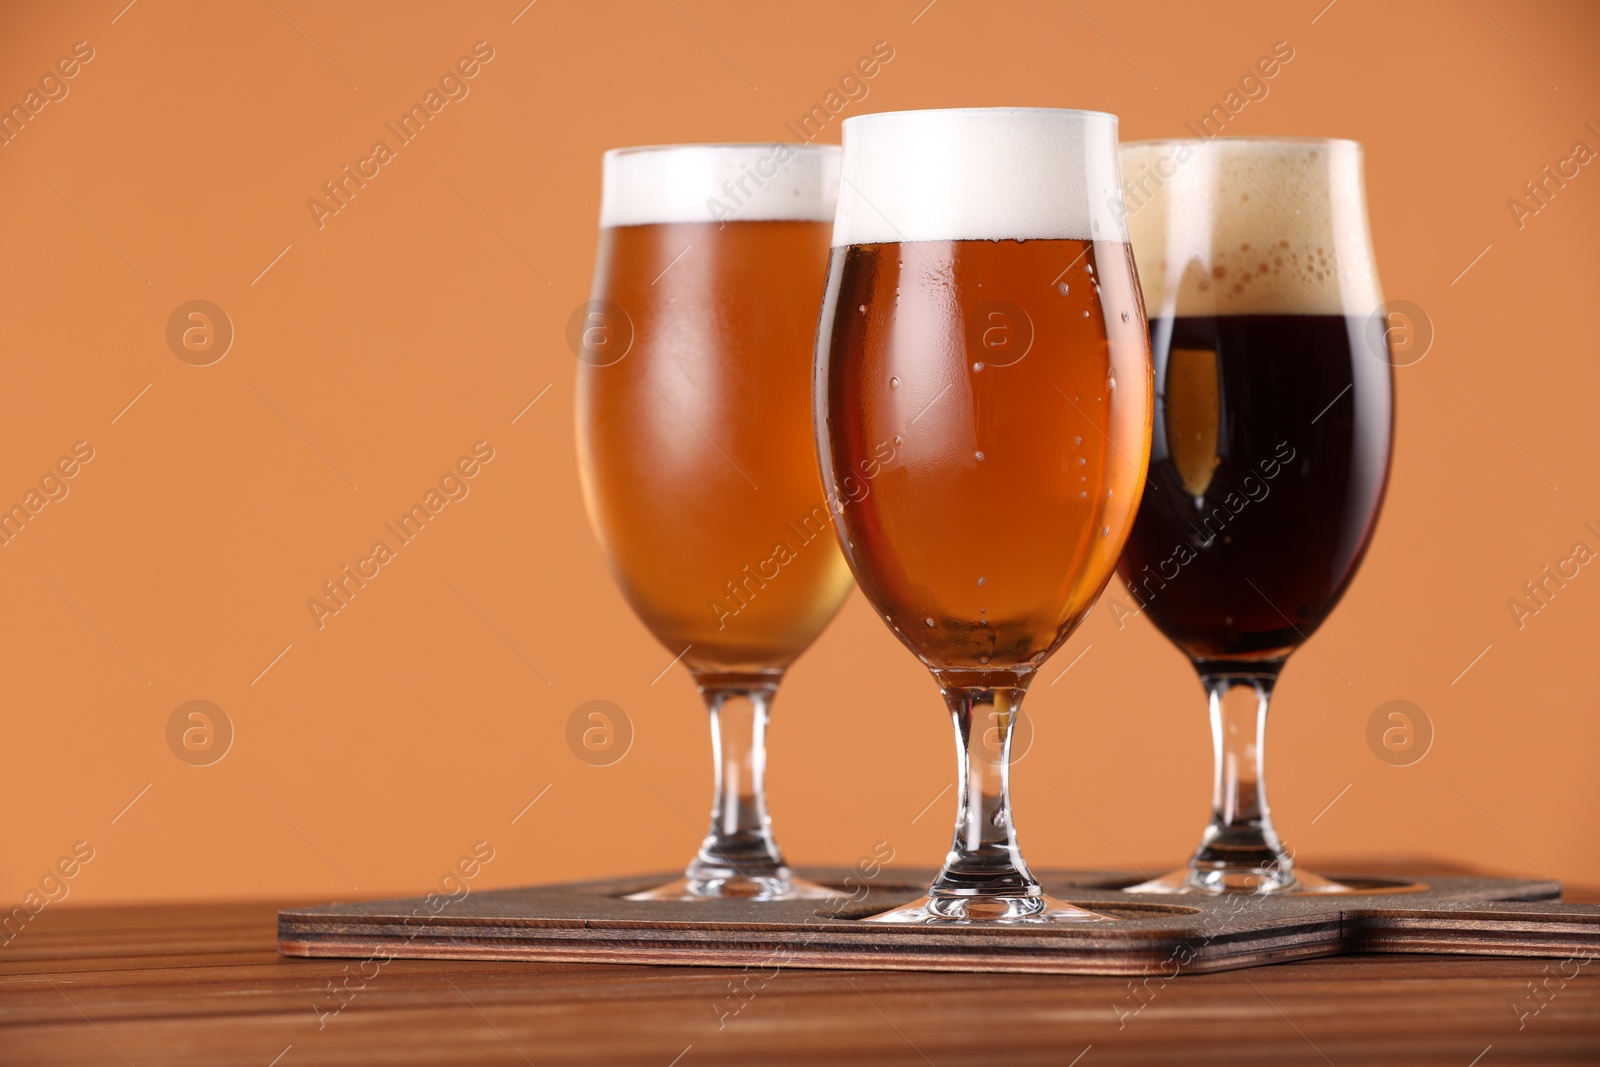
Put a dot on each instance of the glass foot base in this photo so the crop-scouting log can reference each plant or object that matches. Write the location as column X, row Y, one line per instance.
column 781, row 886
column 1253, row 880
column 988, row 909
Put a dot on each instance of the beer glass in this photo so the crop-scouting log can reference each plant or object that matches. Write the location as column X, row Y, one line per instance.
column 983, row 409
column 1270, row 449
column 695, row 447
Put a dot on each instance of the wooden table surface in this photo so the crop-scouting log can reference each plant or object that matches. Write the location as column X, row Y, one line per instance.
column 202, row 984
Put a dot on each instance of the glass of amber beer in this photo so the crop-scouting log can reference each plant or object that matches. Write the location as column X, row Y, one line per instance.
column 1270, row 448
column 695, row 445
column 982, row 354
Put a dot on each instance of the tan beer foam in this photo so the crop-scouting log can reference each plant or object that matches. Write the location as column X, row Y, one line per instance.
column 979, row 174
column 1237, row 226
column 719, row 183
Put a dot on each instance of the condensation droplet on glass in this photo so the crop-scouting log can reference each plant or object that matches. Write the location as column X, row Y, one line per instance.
column 1065, row 288
column 1089, row 267
column 1083, row 494
column 977, row 366
column 863, row 310
column 898, row 439
column 1085, row 314
column 1077, row 440
column 894, row 383
column 1105, row 531
column 983, row 659
column 1124, row 316
column 928, row 621
column 1082, row 462
column 1108, row 494
column 981, row 581
column 1111, row 383
column 978, row 456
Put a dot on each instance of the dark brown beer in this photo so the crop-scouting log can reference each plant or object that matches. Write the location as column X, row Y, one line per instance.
column 987, row 413
column 1270, row 448
column 696, row 446
column 1268, row 461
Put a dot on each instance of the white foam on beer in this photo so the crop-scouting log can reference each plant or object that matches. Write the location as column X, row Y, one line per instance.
column 701, row 183
column 1240, row 226
column 979, row 174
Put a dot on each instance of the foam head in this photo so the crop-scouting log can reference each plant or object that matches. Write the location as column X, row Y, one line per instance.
column 979, row 174
column 719, row 183
column 1245, row 226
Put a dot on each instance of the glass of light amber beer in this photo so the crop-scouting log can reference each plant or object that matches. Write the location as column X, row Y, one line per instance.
column 696, row 449
column 1271, row 442
column 982, row 350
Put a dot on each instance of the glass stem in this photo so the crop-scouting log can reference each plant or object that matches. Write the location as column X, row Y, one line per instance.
column 984, row 858
column 1240, row 849
column 739, row 846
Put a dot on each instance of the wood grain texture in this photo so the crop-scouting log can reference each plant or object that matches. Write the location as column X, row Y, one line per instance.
column 200, row 984
column 592, row 922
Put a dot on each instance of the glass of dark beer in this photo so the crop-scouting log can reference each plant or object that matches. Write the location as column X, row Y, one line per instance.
column 983, row 405
column 1270, row 448
column 696, row 449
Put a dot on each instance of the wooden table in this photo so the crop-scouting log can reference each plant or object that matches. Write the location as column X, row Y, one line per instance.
column 202, row 984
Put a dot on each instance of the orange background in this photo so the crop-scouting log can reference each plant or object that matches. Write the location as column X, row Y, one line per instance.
column 426, row 314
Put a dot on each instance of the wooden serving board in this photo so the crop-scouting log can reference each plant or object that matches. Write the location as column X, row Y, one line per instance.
column 589, row 922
